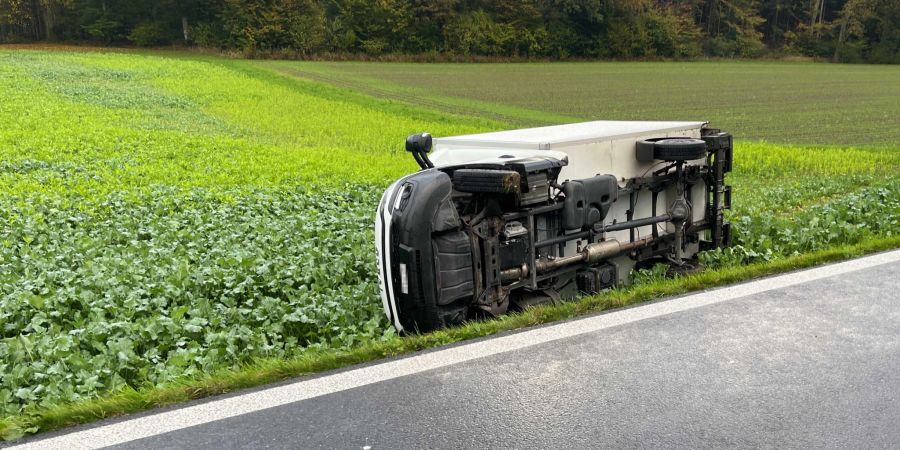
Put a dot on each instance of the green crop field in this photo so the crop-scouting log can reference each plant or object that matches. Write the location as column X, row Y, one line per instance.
column 798, row 103
column 165, row 216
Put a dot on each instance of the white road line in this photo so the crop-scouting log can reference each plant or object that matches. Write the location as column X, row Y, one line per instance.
column 164, row 422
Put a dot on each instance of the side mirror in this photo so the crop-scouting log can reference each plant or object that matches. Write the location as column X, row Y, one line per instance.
column 419, row 143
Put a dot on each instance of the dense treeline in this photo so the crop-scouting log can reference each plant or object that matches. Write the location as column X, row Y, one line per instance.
column 842, row 30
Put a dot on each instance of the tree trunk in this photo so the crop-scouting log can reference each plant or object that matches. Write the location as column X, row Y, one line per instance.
column 775, row 30
column 840, row 40
column 35, row 27
column 184, row 29
column 813, row 12
column 47, row 11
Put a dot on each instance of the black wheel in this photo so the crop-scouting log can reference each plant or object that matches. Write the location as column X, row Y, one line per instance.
column 679, row 149
column 486, row 181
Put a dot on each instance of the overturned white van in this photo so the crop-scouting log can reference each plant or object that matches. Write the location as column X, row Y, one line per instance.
column 504, row 220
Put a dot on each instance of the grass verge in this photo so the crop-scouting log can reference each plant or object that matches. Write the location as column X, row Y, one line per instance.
column 265, row 371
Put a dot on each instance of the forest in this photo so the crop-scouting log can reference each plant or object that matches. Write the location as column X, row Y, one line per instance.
column 836, row 30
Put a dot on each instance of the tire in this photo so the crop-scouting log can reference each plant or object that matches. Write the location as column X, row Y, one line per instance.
column 679, row 149
column 485, row 181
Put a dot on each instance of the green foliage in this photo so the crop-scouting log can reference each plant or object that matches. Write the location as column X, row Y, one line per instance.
column 477, row 33
column 269, row 370
column 150, row 33
column 670, row 33
column 843, row 30
column 848, row 218
column 103, row 29
column 655, row 274
column 131, row 291
column 293, row 24
column 734, row 29
column 163, row 218
column 206, row 35
column 648, row 29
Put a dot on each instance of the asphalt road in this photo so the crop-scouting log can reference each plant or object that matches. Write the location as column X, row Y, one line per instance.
column 773, row 363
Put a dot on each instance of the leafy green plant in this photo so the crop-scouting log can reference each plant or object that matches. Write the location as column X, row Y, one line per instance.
column 166, row 217
column 654, row 274
column 167, row 284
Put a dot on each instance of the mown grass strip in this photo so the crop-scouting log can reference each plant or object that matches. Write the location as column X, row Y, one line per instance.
column 265, row 371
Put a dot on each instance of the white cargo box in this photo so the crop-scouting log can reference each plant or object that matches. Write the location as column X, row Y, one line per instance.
column 591, row 148
column 602, row 146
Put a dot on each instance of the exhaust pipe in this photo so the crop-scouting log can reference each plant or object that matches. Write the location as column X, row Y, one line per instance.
column 591, row 254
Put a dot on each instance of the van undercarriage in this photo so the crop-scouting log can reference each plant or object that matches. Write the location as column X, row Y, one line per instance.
column 501, row 233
